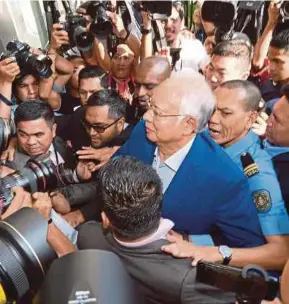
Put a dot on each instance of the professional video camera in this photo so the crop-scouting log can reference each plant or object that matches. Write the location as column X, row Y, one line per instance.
column 100, row 25
column 7, row 127
column 252, row 284
column 88, row 276
column 75, row 26
column 26, row 60
column 38, row 175
column 157, row 10
column 25, row 254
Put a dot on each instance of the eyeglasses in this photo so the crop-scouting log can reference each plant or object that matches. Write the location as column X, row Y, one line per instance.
column 157, row 113
column 98, row 129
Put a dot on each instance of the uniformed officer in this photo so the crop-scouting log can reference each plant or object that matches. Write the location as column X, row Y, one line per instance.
column 230, row 126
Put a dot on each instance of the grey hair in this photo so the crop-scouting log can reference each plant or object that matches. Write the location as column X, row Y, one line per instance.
column 196, row 97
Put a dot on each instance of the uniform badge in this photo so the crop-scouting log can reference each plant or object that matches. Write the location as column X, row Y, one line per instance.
column 262, row 200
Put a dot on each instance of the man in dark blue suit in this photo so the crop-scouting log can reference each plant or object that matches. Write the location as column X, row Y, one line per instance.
column 204, row 191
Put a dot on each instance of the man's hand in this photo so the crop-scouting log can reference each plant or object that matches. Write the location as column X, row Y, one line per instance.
column 259, row 127
column 59, row 203
column 21, row 199
column 184, row 249
column 9, row 69
column 4, row 171
column 9, row 153
column 83, row 169
column 59, row 37
column 42, row 203
column 117, row 23
column 274, row 12
column 275, row 301
column 74, row 218
column 102, row 155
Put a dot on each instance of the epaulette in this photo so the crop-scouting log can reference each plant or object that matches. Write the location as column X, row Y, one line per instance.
column 249, row 166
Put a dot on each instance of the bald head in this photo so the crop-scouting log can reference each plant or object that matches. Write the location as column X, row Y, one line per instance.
column 150, row 73
column 245, row 92
column 188, row 93
column 157, row 65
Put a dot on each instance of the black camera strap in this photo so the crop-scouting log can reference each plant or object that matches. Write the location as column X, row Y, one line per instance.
column 5, row 100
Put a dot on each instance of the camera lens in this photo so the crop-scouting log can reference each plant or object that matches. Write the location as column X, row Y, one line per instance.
column 7, row 128
column 83, row 39
column 285, row 8
column 41, row 64
column 24, row 253
column 36, row 176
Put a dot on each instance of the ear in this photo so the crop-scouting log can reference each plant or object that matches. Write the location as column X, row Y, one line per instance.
column 246, row 74
column 190, row 126
column 120, row 124
column 252, row 117
column 54, row 130
column 105, row 220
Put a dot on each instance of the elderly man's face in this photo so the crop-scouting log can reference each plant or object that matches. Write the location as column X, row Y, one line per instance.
column 163, row 124
column 278, row 124
column 230, row 121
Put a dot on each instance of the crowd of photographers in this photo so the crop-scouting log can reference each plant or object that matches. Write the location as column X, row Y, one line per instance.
column 167, row 150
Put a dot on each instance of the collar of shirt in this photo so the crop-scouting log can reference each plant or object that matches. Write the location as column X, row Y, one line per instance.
column 164, row 227
column 274, row 150
column 242, row 145
column 175, row 160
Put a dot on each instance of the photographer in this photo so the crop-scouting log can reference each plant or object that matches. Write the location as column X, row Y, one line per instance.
column 30, row 86
column 192, row 53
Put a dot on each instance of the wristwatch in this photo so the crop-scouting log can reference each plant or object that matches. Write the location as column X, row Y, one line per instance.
column 145, row 31
column 226, row 253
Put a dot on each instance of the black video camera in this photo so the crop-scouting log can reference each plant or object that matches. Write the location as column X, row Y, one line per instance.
column 27, row 61
column 157, row 10
column 252, row 284
column 101, row 25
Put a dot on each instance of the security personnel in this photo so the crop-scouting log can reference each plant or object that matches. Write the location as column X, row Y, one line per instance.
column 236, row 111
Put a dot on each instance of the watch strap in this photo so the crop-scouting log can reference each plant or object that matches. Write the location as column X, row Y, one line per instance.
column 50, row 221
column 146, row 31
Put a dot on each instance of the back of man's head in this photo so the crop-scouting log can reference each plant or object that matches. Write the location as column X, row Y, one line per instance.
column 251, row 95
column 33, row 110
column 131, row 194
column 235, row 48
column 110, row 98
column 91, row 71
column 281, row 41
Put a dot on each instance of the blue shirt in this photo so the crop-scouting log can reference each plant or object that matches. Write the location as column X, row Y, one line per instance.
column 274, row 150
column 264, row 185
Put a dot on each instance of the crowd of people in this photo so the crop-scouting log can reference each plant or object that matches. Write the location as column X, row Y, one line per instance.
column 172, row 164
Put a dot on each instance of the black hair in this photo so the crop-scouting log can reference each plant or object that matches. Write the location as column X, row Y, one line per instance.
column 281, row 40
column 20, row 78
column 92, row 71
column 131, row 195
column 251, row 92
column 285, row 91
column 33, row 110
column 108, row 97
column 234, row 48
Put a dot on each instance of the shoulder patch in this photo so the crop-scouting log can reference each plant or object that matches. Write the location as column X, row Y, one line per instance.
column 249, row 166
column 262, row 200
